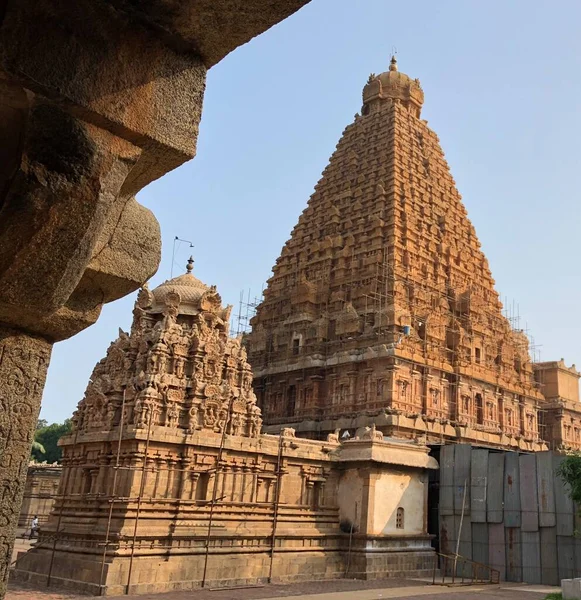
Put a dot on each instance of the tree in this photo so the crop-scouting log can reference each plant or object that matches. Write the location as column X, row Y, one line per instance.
column 47, row 437
column 39, row 447
column 570, row 472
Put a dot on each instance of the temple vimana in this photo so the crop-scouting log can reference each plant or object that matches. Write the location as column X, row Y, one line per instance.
column 382, row 309
column 304, row 450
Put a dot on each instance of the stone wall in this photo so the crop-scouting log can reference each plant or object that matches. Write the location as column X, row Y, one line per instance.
column 281, row 509
column 40, row 491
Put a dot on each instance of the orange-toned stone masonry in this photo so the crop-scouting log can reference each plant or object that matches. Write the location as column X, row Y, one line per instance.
column 382, row 308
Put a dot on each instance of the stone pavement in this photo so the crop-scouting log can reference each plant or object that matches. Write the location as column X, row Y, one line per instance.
column 320, row 590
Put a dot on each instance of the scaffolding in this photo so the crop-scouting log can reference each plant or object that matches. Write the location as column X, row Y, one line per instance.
column 108, row 496
column 380, row 290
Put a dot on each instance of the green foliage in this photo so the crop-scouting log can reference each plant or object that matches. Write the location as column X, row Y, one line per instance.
column 47, row 436
column 570, row 472
column 41, row 423
column 39, row 447
column 554, row 596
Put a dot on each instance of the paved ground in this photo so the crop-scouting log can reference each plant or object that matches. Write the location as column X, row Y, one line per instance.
column 321, row 590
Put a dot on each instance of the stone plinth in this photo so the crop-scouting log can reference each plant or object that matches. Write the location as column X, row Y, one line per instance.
column 571, row 589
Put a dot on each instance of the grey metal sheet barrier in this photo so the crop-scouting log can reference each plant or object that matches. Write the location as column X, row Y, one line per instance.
column 465, row 546
column 565, row 557
column 495, row 487
column 462, row 453
column 549, row 564
column 480, row 542
column 577, row 544
column 531, row 556
column 545, row 489
column 530, row 520
column 512, row 538
column 447, row 534
column 563, row 503
column 511, row 491
column 496, row 548
column 528, row 493
column 478, row 478
column 446, row 504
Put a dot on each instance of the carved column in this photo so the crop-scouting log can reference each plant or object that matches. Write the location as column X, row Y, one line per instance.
column 23, row 365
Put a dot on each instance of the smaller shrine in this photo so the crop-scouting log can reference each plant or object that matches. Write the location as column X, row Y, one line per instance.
column 169, row 484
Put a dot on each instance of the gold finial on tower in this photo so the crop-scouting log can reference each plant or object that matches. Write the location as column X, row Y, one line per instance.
column 190, row 265
column 393, row 63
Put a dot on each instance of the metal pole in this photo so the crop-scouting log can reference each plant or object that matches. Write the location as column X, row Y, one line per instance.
column 58, row 525
column 275, row 507
column 141, row 489
column 215, row 489
column 113, row 490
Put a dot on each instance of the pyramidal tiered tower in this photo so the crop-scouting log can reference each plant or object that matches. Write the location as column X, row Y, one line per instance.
column 382, row 308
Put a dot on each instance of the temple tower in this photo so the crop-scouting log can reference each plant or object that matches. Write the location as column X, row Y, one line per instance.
column 381, row 307
column 169, row 484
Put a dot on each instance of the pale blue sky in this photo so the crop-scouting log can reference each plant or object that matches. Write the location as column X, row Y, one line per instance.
column 502, row 83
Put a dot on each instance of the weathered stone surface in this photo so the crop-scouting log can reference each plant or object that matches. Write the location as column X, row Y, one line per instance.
column 382, row 306
column 23, row 366
column 97, row 99
column 40, row 492
column 172, row 405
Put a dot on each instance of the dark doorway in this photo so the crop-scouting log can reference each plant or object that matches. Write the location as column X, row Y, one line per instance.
column 434, row 500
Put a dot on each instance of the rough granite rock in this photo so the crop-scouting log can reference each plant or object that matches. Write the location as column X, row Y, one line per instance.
column 97, row 99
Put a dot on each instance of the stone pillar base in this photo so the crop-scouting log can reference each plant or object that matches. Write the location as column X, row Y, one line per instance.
column 382, row 557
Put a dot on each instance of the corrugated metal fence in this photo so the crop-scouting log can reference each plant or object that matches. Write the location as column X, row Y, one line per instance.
column 517, row 516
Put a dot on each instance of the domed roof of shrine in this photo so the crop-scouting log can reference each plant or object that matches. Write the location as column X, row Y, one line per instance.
column 188, row 287
column 393, row 85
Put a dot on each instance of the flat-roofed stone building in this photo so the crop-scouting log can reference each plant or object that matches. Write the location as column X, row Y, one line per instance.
column 561, row 416
column 40, row 491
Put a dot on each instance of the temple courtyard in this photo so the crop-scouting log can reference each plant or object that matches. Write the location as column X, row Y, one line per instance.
column 325, row 590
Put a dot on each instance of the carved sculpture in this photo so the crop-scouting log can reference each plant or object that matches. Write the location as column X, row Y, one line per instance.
column 184, row 319
column 382, row 297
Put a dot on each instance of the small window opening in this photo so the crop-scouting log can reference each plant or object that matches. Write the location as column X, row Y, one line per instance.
column 202, row 486
column 479, row 409
column 477, row 355
column 296, row 346
column 399, row 518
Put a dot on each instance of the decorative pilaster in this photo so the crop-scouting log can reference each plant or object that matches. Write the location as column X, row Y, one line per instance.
column 23, row 364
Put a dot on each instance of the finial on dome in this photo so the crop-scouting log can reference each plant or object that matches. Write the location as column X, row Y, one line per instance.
column 190, row 265
column 393, row 63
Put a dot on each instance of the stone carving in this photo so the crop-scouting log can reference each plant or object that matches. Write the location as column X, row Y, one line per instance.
column 334, row 437
column 371, row 433
column 179, row 341
column 400, row 291
column 23, row 365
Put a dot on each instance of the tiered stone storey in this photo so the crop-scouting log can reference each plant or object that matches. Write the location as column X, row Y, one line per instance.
column 381, row 307
column 168, row 482
column 561, row 415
